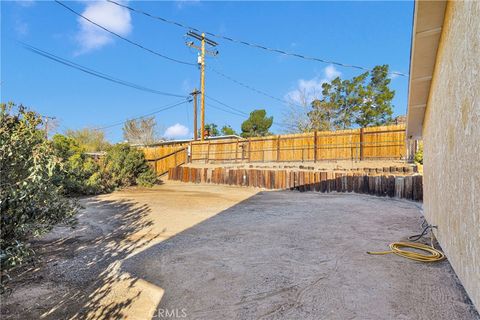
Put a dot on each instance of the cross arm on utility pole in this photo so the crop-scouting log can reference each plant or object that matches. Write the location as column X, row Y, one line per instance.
column 191, row 44
column 204, row 40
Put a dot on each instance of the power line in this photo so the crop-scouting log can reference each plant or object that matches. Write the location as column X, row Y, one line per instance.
column 156, row 53
column 143, row 116
column 250, row 44
column 243, row 114
column 227, row 111
column 123, row 38
column 250, row 87
column 96, row 73
column 226, row 105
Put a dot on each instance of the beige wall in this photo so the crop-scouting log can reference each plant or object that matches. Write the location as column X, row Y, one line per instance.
column 451, row 133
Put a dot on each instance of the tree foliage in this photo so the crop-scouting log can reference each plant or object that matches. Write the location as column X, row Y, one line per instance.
column 296, row 118
column 80, row 173
column 126, row 166
column 257, row 125
column 375, row 107
column 121, row 166
column 365, row 100
column 140, row 131
column 31, row 202
column 418, row 157
column 212, row 130
column 90, row 140
column 227, row 130
column 37, row 174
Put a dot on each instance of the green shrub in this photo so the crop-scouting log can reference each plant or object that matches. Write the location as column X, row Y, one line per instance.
column 126, row 166
column 146, row 178
column 418, row 158
column 31, row 201
column 78, row 169
column 122, row 166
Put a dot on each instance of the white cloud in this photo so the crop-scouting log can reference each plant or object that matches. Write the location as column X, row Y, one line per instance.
column 309, row 90
column 176, row 131
column 331, row 73
column 110, row 16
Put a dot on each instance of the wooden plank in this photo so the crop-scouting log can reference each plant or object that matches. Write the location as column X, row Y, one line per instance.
column 408, row 187
column 323, row 181
column 417, row 188
column 349, row 182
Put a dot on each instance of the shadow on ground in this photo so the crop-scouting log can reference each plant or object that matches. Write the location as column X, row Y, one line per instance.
column 81, row 263
column 285, row 254
column 300, row 256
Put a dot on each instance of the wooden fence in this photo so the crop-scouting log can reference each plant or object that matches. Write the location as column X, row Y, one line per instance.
column 176, row 156
column 407, row 187
column 386, row 142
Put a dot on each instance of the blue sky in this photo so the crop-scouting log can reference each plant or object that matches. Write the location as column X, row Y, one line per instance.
column 357, row 33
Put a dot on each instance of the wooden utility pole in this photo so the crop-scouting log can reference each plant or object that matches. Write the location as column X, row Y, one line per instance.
column 201, row 61
column 195, row 122
column 202, row 89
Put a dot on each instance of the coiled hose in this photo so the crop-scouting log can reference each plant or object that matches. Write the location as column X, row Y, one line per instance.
column 396, row 248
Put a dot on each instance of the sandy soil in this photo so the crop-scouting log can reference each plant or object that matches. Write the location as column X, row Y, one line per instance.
column 219, row 252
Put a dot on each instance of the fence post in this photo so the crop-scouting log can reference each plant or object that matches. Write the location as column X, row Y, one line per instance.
column 189, row 157
column 249, row 150
column 315, row 146
column 361, row 143
column 236, row 151
column 208, row 152
column 278, row 148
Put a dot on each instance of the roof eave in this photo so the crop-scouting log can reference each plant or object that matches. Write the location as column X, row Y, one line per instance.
column 427, row 29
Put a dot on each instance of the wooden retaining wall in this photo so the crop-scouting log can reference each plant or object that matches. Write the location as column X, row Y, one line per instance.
column 407, row 187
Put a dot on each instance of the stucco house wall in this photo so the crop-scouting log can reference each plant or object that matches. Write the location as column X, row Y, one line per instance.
column 451, row 134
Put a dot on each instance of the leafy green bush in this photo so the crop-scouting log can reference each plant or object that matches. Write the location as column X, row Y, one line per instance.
column 122, row 166
column 36, row 174
column 78, row 169
column 31, row 202
column 418, row 158
column 126, row 166
column 146, row 178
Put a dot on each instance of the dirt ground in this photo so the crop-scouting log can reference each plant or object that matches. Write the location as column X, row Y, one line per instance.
column 219, row 252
